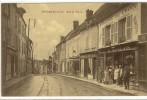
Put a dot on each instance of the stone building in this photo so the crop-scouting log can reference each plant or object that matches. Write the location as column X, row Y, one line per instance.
column 22, row 42
column 113, row 35
column 9, row 41
column 60, row 53
column 119, row 30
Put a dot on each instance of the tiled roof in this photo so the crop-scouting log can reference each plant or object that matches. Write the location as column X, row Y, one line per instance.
column 107, row 10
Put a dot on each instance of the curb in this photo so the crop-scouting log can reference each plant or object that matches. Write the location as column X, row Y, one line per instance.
column 107, row 88
column 6, row 89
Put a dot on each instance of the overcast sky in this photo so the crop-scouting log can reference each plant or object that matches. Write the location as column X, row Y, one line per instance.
column 50, row 26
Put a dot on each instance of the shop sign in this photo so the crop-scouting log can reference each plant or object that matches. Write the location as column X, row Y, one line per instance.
column 120, row 13
column 124, row 48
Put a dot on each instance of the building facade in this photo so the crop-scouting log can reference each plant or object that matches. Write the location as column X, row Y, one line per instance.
column 118, row 40
column 29, row 56
column 9, row 46
column 13, row 43
column 22, row 42
column 114, row 35
column 60, row 53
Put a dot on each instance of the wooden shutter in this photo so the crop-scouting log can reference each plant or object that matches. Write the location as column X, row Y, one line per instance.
column 112, row 33
column 103, row 34
column 129, row 27
column 115, row 32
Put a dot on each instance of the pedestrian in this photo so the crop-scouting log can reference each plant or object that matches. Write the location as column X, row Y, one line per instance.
column 110, row 75
column 126, row 76
column 106, row 75
column 120, row 76
column 101, row 75
column 116, row 73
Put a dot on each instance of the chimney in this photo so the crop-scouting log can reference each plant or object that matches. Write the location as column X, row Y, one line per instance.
column 89, row 13
column 75, row 24
column 62, row 37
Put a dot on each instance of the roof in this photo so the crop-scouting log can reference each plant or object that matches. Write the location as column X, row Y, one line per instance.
column 107, row 10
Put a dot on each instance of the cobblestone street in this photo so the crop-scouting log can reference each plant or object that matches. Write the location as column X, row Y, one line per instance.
column 54, row 85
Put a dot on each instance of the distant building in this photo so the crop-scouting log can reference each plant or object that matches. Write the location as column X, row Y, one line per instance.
column 60, row 53
column 22, row 42
column 30, row 63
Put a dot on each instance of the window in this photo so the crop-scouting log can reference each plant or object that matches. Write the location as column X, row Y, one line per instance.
column 115, row 32
column 19, row 26
column 19, row 45
column 103, row 34
column 122, row 29
column 22, row 47
column 16, row 21
column 112, row 33
column 107, row 35
column 129, row 27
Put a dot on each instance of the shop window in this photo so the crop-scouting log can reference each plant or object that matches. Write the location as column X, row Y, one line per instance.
column 109, row 60
column 129, row 59
column 122, row 29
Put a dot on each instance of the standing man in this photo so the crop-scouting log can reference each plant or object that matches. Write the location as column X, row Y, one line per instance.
column 126, row 76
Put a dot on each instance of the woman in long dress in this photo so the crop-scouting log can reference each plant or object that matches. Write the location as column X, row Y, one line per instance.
column 106, row 76
column 116, row 74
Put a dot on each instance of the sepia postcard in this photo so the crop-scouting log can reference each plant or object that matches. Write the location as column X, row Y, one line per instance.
column 73, row 49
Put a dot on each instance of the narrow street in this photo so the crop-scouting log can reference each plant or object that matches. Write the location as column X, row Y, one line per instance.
column 54, row 85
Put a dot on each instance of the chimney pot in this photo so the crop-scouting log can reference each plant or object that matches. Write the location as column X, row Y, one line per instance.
column 75, row 24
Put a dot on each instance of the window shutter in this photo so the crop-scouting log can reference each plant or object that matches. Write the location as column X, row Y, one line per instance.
column 103, row 32
column 112, row 33
column 115, row 32
column 129, row 27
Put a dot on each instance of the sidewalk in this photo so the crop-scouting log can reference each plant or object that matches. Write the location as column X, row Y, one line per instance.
column 13, row 82
column 113, row 86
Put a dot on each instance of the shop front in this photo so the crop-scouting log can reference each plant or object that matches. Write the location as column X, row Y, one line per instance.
column 142, row 69
column 121, row 55
column 88, row 65
column 75, row 66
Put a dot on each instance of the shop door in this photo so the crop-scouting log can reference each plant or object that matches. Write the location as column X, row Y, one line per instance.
column 142, row 69
column 85, row 67
column 118, row 59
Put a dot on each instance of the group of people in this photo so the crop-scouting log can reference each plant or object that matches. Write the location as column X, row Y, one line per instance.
column 115, row 75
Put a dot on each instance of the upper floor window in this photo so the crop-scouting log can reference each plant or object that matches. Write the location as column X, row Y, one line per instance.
column 107, row 35
column 19, row 26
column 16, row 21
column 103, row 35
column 129, row 27
column 114, row 30
column 122, row 30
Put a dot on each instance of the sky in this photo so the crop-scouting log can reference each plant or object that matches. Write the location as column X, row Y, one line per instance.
column 51, row 26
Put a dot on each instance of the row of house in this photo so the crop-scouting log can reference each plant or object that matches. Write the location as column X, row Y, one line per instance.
column 16, row 46
column 116, row 34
